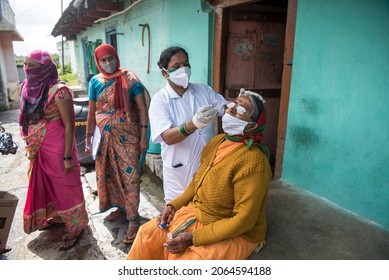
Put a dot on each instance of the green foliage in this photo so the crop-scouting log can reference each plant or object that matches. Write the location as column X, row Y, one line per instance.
column 19, row 59
column 67, row 69
column 55, row 58
column 68, row 77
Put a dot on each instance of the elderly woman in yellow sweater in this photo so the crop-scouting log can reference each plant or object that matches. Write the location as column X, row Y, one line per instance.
column 221, row 215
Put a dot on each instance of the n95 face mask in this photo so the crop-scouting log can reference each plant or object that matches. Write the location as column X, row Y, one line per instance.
column 181, row 76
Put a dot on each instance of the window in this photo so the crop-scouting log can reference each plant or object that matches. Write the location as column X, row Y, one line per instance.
column 111, row 37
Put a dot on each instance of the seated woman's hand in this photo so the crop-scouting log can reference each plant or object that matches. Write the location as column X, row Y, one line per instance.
column 166, row 216
column 179, row 244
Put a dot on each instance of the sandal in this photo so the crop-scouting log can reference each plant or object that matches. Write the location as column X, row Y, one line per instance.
column 70, row 243
column 5, row 250
column 113, row 215
column 51, row 225
column 131, row 233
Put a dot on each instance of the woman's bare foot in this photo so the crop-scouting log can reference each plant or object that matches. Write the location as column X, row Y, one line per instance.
column 55, row 220
column 113, row 215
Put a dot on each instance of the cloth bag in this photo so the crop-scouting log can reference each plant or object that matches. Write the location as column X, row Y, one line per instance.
column 7, row 145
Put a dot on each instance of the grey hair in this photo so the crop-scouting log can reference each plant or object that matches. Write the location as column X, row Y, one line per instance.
column 257, row 101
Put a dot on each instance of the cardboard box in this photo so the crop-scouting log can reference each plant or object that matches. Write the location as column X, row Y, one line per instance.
column 8, row 203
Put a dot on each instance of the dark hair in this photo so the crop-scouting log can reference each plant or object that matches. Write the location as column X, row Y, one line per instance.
column 167, row 54
column 257, row 101
column 90, row 76
column 258, row 107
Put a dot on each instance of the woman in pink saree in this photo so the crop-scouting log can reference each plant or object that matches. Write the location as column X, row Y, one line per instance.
column 46, row 118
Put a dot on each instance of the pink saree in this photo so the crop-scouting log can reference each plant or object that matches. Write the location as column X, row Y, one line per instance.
column 51, row 192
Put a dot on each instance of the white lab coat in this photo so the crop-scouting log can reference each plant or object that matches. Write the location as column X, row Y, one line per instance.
column 167, row 110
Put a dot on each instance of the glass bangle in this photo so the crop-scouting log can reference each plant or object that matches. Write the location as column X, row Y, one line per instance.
column 182, row 130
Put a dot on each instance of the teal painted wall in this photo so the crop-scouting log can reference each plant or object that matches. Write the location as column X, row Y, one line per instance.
column 172, row 22
column 337, row 131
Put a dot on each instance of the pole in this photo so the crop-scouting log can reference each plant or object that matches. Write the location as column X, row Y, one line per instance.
column 62, row 43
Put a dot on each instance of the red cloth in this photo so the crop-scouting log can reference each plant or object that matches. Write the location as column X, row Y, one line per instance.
column 122, row 97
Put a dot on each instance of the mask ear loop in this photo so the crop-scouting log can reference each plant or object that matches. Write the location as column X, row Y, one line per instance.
column 251, row 128
column 167, row 72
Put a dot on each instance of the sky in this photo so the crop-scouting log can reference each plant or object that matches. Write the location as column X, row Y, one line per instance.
column 35, row 19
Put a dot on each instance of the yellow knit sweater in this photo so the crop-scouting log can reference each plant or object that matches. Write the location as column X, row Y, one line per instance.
column 230, row 196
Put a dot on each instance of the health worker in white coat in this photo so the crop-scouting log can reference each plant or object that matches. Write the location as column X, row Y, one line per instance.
column 182, row 118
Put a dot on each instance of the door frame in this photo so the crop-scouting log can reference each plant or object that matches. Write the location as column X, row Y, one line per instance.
column 219, row 64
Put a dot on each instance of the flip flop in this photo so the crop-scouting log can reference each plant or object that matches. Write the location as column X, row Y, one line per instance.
column 70, row 243
column 129, row 239
column 5, row 250
column 52, row 223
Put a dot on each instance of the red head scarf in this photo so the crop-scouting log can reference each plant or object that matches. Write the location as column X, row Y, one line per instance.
column 122, row 97
column 34, row 89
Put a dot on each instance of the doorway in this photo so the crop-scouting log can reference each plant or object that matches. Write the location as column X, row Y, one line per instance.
column 250, row 53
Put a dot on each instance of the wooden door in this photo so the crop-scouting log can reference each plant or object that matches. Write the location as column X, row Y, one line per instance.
column 254, row 59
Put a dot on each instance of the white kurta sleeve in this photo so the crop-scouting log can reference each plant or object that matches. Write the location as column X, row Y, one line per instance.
column 160, row 119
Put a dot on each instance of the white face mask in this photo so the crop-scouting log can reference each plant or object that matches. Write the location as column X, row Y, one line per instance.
column 233, row 126
column 110, row 66
column 181, row 76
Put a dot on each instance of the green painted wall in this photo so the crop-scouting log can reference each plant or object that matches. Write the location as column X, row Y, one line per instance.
column 337, row 131
column 172, row 22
